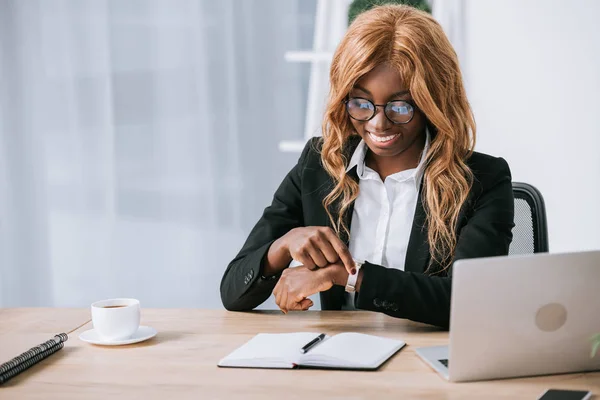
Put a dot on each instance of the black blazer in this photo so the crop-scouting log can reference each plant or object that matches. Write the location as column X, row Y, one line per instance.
column 484, row 229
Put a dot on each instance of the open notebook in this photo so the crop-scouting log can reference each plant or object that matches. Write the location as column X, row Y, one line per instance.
column 343, row 351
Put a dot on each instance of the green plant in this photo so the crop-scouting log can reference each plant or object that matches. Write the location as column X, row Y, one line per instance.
column 595, row 344
column 359, row 6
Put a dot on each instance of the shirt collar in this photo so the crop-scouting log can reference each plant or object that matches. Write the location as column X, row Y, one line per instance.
column 358, row 160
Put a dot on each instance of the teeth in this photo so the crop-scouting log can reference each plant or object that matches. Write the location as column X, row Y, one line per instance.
column 382, row 139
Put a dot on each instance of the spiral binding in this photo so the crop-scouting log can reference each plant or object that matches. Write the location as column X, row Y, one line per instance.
column 20, row 363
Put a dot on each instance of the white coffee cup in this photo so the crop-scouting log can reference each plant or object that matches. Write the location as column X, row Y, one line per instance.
column 116, row 319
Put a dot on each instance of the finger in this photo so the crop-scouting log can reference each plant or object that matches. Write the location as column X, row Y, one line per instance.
column 283, row 298
column 292, row 306
column 316, row 255
column 326, row 248
column 342, row 251
column 305, row 259
column 277, row 293
column 302, row 305
column 306, row 304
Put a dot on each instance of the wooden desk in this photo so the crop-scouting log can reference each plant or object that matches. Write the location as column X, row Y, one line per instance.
column 181, row 361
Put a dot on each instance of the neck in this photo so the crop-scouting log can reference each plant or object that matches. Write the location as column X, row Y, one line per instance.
column 408, row 159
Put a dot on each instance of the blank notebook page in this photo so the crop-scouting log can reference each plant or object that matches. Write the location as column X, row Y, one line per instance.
column 282, row 347
column 354, row 349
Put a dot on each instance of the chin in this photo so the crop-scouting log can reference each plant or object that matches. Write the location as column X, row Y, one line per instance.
column 389, row 152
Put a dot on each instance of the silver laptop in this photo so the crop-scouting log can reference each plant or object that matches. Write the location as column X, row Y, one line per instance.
column 520, row 316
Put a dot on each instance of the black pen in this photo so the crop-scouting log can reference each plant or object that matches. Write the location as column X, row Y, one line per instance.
column 312, row 343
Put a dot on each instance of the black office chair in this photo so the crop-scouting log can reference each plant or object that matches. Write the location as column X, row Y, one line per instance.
column 530, row 234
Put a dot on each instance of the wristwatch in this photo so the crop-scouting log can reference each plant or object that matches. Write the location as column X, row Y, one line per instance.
column 351, row 284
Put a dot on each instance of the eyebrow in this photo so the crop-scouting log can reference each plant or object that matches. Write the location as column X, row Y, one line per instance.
column 397, row 94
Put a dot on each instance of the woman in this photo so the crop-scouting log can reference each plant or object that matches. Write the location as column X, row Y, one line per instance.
column 378, row 208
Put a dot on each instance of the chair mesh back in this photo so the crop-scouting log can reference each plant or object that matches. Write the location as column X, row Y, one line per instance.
column 523, row 234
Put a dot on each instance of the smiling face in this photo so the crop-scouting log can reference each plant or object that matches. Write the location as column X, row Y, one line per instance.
column 384, row 138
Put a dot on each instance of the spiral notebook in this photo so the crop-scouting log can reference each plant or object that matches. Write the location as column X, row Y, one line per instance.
column 343, row 351
column 20, row 363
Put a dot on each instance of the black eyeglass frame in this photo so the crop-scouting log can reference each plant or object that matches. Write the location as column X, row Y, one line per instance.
column 414, row 108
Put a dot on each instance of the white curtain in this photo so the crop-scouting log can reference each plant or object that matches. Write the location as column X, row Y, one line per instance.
column 138, row 142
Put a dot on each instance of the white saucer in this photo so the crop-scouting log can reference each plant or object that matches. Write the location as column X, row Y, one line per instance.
column 143, row 333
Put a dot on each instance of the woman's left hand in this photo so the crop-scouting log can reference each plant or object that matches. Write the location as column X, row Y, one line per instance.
column 298, row 283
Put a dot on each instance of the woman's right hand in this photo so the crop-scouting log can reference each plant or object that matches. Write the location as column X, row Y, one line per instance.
column 313, row 246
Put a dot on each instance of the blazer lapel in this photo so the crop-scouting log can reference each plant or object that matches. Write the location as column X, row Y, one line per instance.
column 334, row 297
column 345, row 237
column 327, row 187
column 349, row 150
column 417, row 253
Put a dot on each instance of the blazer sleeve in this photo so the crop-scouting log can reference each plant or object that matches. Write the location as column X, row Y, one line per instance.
column 425, row 298
column 242, row 286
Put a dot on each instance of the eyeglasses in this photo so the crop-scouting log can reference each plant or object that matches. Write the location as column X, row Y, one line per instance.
column 398, row 112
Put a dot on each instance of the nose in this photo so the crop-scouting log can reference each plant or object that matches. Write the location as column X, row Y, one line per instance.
column 379, row 122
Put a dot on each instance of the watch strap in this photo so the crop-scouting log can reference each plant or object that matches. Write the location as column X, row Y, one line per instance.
column 351, row 283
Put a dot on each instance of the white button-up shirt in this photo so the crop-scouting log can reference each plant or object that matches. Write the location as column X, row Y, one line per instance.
column 383, row 212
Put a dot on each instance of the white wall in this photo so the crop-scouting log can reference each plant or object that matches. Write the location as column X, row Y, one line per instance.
column 533, row 75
